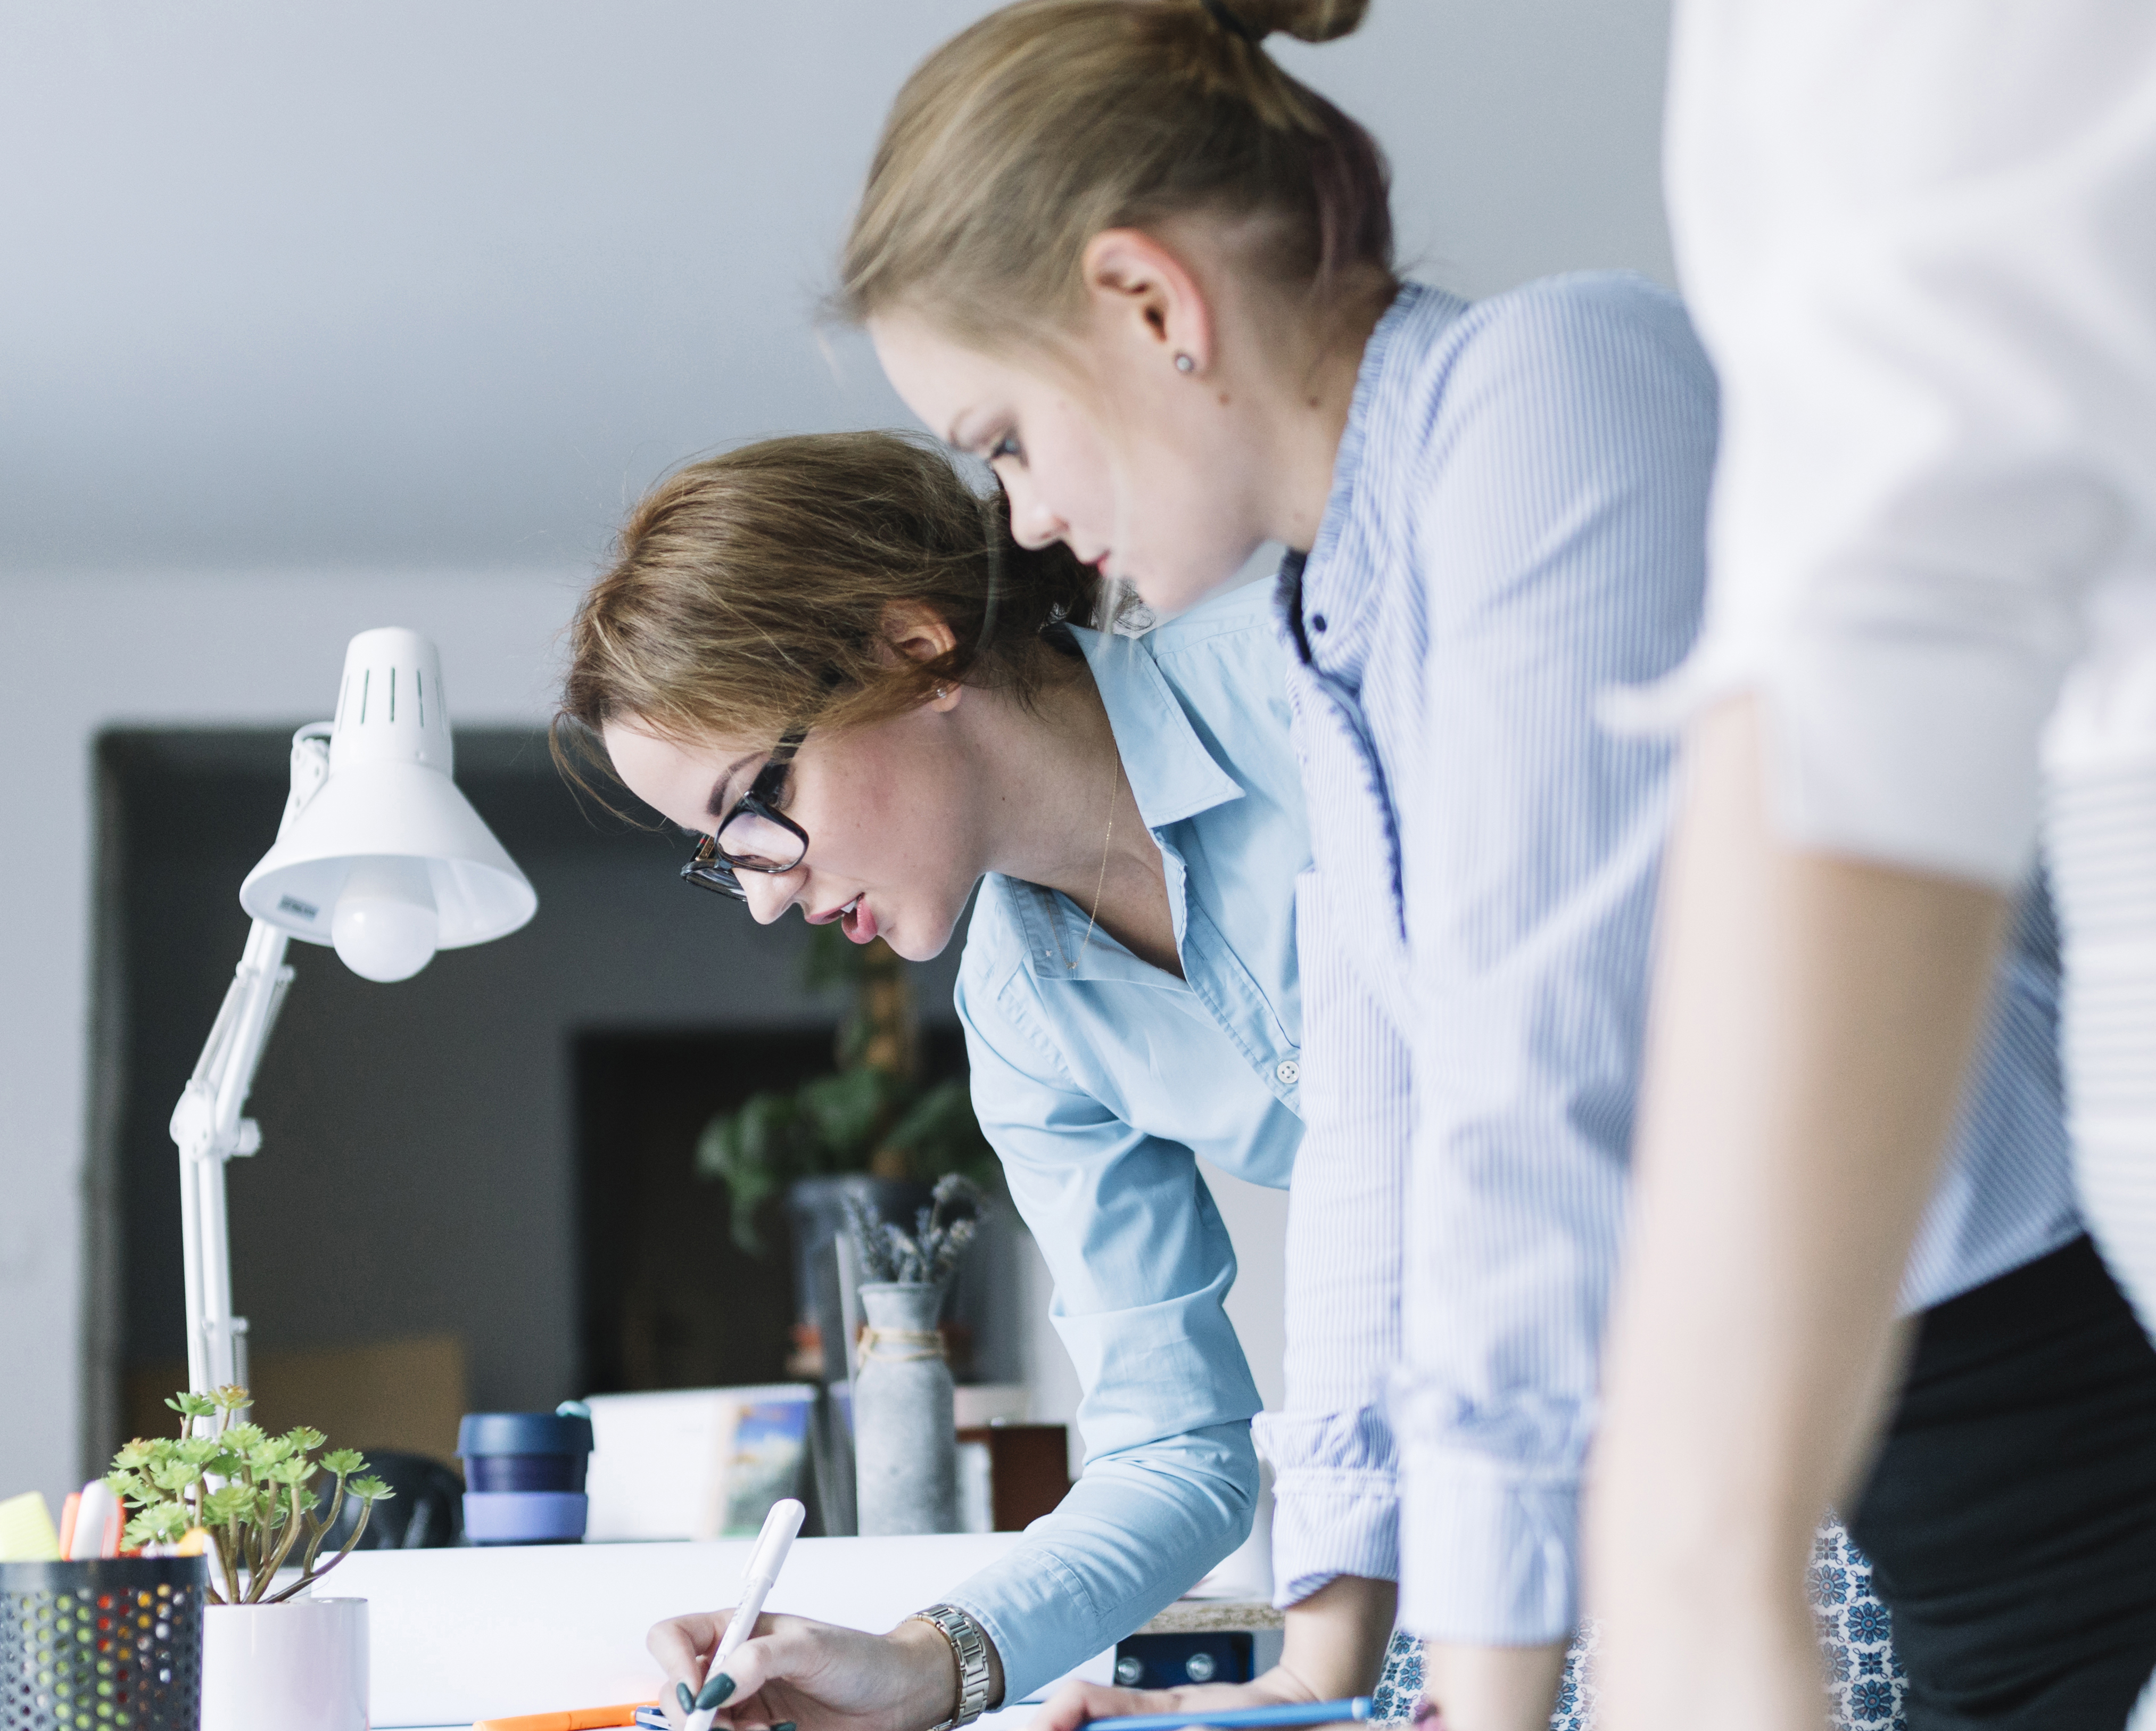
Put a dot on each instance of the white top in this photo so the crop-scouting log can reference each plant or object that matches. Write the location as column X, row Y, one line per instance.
column 1918, row 237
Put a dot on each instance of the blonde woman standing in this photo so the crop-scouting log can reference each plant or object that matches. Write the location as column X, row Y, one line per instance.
column 1110, row 247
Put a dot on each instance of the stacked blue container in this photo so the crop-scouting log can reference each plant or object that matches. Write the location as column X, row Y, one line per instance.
column 524, row 1475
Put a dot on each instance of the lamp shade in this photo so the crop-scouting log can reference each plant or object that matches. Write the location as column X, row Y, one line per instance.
column 388, row 827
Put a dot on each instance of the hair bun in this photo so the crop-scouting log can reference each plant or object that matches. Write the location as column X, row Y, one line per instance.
column 1305, row 20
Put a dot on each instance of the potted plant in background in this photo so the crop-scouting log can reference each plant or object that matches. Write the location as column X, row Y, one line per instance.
column 906, row 1441
column 270, row 1656
column 870, row 1131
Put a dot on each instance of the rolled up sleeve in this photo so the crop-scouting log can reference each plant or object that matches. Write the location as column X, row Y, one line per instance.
column 1917, row 241
column 1335, row 1481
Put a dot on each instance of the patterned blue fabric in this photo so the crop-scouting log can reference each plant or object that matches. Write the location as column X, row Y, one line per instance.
column 1865, row 1680
column 1515, row 528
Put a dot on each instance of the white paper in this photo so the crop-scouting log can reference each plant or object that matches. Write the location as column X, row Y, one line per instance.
column 474, row 1633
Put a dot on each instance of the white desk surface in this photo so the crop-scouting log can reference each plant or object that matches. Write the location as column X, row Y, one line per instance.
column 1011, row 1718
column 466, row 1634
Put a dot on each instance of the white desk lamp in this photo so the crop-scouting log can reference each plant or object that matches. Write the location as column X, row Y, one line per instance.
column 379, row 855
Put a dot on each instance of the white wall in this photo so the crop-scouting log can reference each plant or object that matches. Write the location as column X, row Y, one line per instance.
column 321, row 317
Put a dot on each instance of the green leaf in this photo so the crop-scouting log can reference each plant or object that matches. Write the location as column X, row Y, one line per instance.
column 344, row 1462
column 370, row 1490
column 941, row 1134
column 849, row 1112
column 225, row 1463
column 306, row 1436
column 752, row 1152
column 229, row 1503
column 132, row 1454
column 192, row 1406
column 130, row 1487
column 175, row 1476
column 166, row 1523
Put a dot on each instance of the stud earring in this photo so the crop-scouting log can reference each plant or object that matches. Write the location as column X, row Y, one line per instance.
column 939, row 694
column 1183, row 363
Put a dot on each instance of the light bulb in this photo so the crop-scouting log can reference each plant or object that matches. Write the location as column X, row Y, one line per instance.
column 385, row 926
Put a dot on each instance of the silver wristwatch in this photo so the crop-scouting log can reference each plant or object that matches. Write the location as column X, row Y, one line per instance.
column 969, row 1647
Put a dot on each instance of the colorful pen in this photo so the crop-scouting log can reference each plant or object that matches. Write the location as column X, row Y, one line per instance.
column 1245, row 1719
column 769, row 1556
column 581, row 1719
column 98, row 1521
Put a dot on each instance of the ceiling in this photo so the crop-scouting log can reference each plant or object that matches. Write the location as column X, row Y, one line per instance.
column 394, row 285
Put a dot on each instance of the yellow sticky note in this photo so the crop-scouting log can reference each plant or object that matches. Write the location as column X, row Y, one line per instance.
column 27, row 1533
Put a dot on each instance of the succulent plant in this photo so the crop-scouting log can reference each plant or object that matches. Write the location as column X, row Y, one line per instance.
column 259, row 1497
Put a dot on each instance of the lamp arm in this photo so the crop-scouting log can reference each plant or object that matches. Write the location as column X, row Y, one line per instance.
column 209, row 1130
column 207, row 1126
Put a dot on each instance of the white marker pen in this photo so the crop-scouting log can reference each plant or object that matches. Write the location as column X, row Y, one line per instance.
column 772, row 1545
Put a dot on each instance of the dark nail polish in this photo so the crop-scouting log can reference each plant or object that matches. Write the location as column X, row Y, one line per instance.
column 784, row 1725
column 715, row 1692
column 687, row 1701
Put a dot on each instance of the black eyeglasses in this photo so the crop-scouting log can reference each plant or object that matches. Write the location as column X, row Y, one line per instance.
column 755, row 835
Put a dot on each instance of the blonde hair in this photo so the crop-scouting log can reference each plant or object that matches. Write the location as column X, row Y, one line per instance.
column 1048, row 121
column 748, row 596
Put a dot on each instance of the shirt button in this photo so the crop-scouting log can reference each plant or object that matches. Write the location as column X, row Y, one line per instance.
column 1289, row 1071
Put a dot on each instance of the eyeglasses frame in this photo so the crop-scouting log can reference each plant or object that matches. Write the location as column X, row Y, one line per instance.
column 709, row 868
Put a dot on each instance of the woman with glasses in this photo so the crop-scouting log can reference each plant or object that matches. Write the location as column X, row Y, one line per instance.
column 827, row 657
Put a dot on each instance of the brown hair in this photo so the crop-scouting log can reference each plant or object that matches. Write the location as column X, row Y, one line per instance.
column 747, row 594
column 1024, row 135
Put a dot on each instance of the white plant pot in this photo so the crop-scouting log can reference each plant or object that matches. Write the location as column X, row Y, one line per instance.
column 282, row 1667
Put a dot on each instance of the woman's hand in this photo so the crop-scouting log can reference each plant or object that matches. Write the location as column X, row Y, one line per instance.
column 1334, row 1645
column 814, row 1676
column 1075, row 1704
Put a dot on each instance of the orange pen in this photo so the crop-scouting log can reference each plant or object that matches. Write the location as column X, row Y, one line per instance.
column 581, row 1719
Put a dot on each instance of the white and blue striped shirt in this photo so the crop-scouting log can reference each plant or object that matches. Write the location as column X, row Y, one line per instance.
column 1516, row 526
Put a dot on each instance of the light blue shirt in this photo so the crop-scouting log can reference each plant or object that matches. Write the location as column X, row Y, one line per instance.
column 1517, row 526
column 1100, row 1079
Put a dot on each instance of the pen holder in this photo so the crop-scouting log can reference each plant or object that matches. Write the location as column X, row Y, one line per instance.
column 84, row 1646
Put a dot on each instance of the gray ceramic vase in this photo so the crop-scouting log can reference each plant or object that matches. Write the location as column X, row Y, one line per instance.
column 906, row 1441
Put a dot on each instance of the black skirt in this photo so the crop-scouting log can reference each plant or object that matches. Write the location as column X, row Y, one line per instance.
column 2011, row 1517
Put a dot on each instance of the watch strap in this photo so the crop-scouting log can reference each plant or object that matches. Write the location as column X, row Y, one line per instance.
column 969, row 1647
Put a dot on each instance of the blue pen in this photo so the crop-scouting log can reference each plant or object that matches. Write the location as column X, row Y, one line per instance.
column 651, row 1718
column 1244, row 1718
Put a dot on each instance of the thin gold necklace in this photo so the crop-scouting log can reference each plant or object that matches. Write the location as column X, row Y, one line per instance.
column 1092, row 919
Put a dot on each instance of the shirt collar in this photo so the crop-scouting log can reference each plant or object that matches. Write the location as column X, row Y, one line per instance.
column 1171, row 774
column 1343, row 588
